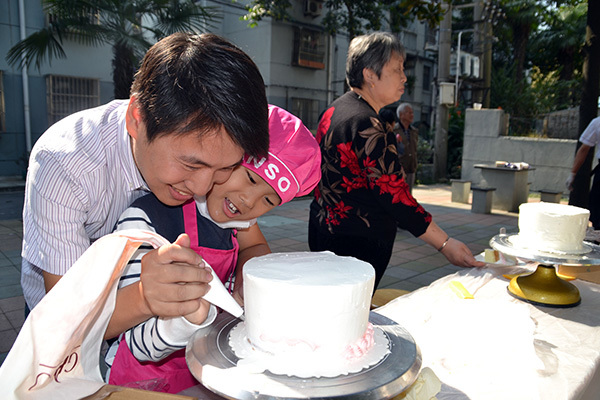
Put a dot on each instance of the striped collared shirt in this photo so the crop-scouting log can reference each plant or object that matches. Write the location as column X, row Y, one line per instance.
column 81, row 177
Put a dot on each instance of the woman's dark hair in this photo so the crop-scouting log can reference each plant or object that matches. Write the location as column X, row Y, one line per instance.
column 190, row 82
column 371, row 51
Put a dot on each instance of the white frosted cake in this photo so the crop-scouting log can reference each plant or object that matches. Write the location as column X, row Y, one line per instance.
column 307, row 314
column 552, row 227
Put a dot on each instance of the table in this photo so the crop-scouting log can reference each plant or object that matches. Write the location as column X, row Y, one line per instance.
column 510, row 183
column 497, row 347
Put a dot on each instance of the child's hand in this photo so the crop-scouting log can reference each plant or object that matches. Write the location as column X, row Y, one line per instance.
column 173, row 279
column 199, row 316
column 238, row 296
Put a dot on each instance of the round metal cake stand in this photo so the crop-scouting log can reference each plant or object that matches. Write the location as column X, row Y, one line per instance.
column 212, row 361
column 544, row 287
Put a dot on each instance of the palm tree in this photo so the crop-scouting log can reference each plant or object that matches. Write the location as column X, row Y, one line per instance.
column 129, row 26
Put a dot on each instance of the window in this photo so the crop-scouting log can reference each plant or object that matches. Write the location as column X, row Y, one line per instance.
column 67, row 95
column 2, row 109
column 426, row 77
column 430, row 35
column 307, row 111
column 309, row 49
column 409, row 40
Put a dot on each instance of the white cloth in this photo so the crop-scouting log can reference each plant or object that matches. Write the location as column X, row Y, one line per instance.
column 497, row 347
column 591, row 135
column 56, row 353
column 81, row 177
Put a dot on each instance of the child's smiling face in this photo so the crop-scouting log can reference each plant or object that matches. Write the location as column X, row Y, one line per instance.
column 244, row 196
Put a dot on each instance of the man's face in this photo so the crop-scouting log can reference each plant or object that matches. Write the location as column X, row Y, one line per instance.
column 177, row 167
column 407, row 116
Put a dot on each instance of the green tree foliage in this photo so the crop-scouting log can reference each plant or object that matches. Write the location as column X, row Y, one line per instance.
column 129, row 26
column 354, row 17
column 557, row 50
column 537, row 59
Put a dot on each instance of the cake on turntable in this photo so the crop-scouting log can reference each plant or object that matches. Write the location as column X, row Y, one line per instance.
column 544, row 287
column 212, row 361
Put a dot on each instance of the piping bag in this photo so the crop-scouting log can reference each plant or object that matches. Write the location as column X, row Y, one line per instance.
column 220, row 297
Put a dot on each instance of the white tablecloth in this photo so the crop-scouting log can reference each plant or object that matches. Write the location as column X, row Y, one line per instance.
column 497, row 347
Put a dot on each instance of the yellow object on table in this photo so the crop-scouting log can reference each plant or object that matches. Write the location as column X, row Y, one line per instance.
column 426, row 387
column 460, row 290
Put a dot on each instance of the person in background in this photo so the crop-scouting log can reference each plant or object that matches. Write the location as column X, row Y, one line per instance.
column 362, row 197
column 197, row 105
column 222, row 229
column 589, row 138
column 407, row 137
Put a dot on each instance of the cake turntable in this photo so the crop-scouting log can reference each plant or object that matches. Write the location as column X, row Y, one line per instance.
column 544, row 287
column 212, row 361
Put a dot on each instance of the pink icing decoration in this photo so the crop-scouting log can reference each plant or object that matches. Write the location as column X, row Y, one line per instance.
column 363, row 345
column 356, row 350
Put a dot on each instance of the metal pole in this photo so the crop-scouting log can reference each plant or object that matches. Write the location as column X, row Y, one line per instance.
column 457, row 70
column 25, row 79
column 440, row 156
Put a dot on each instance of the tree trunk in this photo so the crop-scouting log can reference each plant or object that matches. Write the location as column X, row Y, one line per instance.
column 566, row 94
column 521, row 38
column 588, row 109
column 123, row 70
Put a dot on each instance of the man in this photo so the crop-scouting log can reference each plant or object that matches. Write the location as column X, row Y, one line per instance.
column 197, row 105
column 407, row 136
column 589, row 138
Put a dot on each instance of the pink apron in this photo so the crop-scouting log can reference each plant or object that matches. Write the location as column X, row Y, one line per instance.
column 171, row 375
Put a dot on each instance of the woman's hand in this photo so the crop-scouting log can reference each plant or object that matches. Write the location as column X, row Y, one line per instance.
column 459, row 254
column 454, row 250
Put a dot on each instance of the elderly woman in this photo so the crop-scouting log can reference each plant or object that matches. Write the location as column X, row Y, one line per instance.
column 362, row 197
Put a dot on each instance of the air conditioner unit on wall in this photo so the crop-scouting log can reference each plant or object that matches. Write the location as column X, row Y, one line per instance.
column 314, row 8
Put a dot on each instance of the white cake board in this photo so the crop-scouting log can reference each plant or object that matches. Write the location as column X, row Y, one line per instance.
column 212, row 361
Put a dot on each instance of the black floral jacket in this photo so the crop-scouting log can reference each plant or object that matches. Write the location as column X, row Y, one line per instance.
column 361, row 191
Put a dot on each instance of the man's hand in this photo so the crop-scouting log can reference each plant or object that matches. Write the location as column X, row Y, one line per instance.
column 199, row 316
column 173, row 279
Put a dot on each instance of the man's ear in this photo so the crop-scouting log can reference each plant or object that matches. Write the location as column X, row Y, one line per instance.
column 133, row 118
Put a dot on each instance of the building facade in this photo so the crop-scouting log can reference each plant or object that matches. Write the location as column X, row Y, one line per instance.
column 303, row 68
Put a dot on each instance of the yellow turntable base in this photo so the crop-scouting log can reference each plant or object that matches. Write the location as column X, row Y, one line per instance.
column 544, row 287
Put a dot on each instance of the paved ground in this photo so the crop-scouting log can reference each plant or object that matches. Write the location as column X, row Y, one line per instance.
column 413, row 265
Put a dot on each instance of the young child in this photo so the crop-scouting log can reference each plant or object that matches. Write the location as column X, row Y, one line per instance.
column 222, row 229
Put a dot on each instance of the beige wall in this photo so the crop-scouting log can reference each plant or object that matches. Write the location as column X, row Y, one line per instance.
column 484, row 144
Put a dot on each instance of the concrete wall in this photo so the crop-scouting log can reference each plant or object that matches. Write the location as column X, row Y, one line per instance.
column 484, row 144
